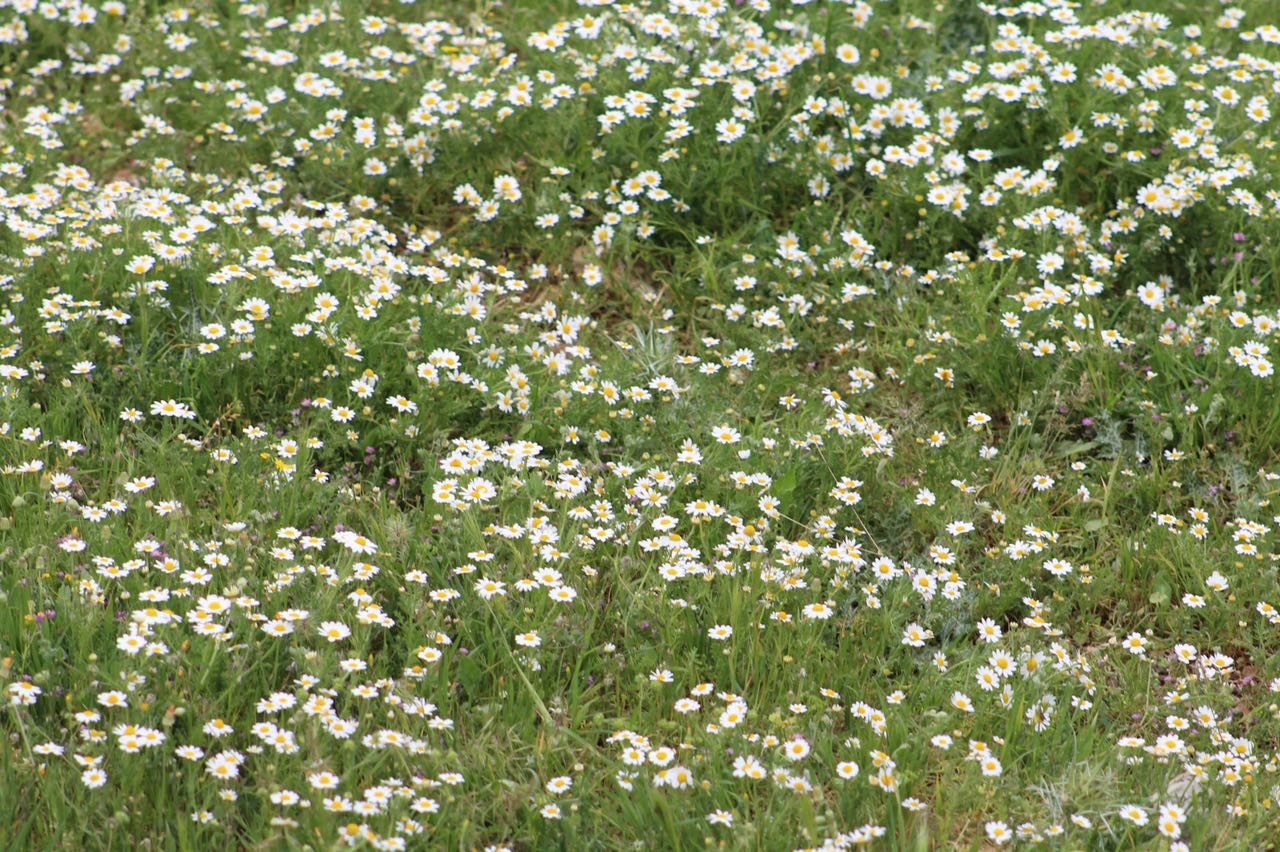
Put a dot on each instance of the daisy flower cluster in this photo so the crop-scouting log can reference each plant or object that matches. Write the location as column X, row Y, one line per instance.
column 772, row 424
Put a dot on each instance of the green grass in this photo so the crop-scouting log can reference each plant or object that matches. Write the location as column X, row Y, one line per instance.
column 563, row 476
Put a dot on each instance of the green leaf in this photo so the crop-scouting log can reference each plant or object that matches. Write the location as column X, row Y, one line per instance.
column 785, row 485
column 1161, row 590
column 470, row 675
column 1077, row 447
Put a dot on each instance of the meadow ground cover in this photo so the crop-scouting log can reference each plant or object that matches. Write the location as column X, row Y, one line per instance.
column 675, row 424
